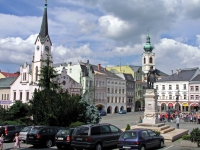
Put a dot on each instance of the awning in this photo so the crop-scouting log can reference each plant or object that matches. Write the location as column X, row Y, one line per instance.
column 170, row 104
column 185, row 104
column 195, row 104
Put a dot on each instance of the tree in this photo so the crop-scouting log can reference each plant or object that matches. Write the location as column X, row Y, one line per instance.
column 90, row 114
column 195, row 136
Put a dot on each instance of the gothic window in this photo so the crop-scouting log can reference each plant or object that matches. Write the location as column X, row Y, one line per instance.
column 144, row 60
column 36, row 73
column 150, row 60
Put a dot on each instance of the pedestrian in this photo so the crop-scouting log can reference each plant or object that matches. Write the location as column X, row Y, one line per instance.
column 1, row 142
column 140, row 120
column 177, row 122
column 17, row 141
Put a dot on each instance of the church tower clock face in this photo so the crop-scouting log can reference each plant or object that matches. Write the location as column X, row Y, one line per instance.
column 47, row 49
column 38, row 47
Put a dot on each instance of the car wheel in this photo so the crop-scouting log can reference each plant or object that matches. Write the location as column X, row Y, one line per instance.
column 142, row 148
column 49, row 143
column 98, row 146
column 161, row 145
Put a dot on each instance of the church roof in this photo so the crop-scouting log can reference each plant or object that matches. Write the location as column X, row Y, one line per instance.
column 44, row 27
column 6, row 82
column 181, row 75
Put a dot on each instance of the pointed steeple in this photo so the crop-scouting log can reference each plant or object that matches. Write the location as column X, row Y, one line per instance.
column 148, row 47
column 44, row 27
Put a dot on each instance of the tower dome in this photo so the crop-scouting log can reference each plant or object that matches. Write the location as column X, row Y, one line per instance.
column 148, row 47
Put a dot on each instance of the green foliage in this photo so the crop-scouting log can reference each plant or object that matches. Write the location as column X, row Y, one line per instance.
column 128, row 127
column 76, row 124
column 186, row 137
column 90, row 113
column 195, row 136
column 157, row 132
column 48, row 76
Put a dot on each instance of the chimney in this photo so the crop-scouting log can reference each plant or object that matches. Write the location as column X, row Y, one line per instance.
column 99, row 66
column 177, row 71
column 172, row 72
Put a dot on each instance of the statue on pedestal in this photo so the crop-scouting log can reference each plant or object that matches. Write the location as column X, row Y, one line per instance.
column 151, row 77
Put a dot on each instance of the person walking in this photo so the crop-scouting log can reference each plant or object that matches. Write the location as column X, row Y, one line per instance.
column 17, row 141
column 177, row 122
column 1, row 142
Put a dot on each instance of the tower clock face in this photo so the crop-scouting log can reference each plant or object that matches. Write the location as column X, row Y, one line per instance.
column 47, row 49
column 38, row 47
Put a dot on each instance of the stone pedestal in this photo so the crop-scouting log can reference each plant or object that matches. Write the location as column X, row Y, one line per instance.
column 151, row 110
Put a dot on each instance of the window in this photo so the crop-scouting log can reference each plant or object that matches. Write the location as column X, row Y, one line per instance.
column 112, row 90
column 24, row 76
column 20, row 96
column 184, row 97
column 145, row 134
column 163, row 96
column 2, row 96
column 119, row 91
column 64, row 77
column 14, row 95
column 184, row 86
column 7, row 96
column 144, row 60
column 197, row 97
column 196, row 88
column 122, row 91
column 163, row 87
column 115, row 99
column 96, row 130
column 177, row 86
column 119, row 99
column 99, row 83
column 108, row 99
column 27, row 95
column 151, row 133
column 115, row 90
column 114, row 129
column 108, row 90
column 170, row 96
column 192, row 97
column 156, row 87
column 170, row 87
column 191, row 88
column 36, row 73
column 105, row 129
column 112, row 100
column 150, row 60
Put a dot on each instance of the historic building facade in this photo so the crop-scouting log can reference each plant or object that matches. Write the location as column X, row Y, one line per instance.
column 173, row 90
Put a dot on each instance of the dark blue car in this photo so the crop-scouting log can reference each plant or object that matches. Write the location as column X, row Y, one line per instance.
column 140, row 139
column 102, row 113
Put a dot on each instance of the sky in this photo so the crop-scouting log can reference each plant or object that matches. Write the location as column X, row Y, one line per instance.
column 103, row 31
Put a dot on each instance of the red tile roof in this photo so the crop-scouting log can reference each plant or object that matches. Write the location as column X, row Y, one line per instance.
column 6, row 74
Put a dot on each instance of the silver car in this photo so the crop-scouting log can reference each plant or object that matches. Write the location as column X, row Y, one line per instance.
column 24, row 132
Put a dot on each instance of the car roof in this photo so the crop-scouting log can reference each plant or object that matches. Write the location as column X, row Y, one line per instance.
column 137, row 130
column 90, row 125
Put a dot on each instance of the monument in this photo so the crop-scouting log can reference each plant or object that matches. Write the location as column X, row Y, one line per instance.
column 151, row 111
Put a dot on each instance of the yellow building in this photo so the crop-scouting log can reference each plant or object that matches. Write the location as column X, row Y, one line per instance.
column 136, row 72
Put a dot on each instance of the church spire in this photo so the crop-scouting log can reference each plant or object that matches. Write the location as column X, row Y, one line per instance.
column 148, row 47
column 44, row 27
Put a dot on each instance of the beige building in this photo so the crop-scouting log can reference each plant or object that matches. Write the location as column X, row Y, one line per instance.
column 5, row 84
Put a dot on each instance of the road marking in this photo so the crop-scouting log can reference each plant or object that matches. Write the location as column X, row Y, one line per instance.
column 169, row 147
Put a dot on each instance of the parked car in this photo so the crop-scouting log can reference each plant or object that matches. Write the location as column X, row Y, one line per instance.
column 63, row 138
column 9, row 131
column 24, row 132
column 140, row 139
column 102, row 113
column 42, row 135
column 122, row 112
column 96, row 136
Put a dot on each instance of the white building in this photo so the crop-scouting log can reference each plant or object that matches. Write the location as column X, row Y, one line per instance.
column 173, row 90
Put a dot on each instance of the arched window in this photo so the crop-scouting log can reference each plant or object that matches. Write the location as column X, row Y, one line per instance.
column 36, row 73
column 150, row 60
column 144, row 60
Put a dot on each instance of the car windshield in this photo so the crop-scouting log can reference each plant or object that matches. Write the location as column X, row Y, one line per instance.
column 82, row 131
column 63, row 132
column 35, row 130
column 129, row 135
column 26, row 129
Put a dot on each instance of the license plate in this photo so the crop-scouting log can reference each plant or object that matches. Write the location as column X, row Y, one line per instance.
column 60, row 138
column 30, row 137
column 126, row 147
column 79, row 139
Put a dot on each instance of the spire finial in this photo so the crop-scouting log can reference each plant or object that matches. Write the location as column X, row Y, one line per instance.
column 45, row 5
column 148, row 46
